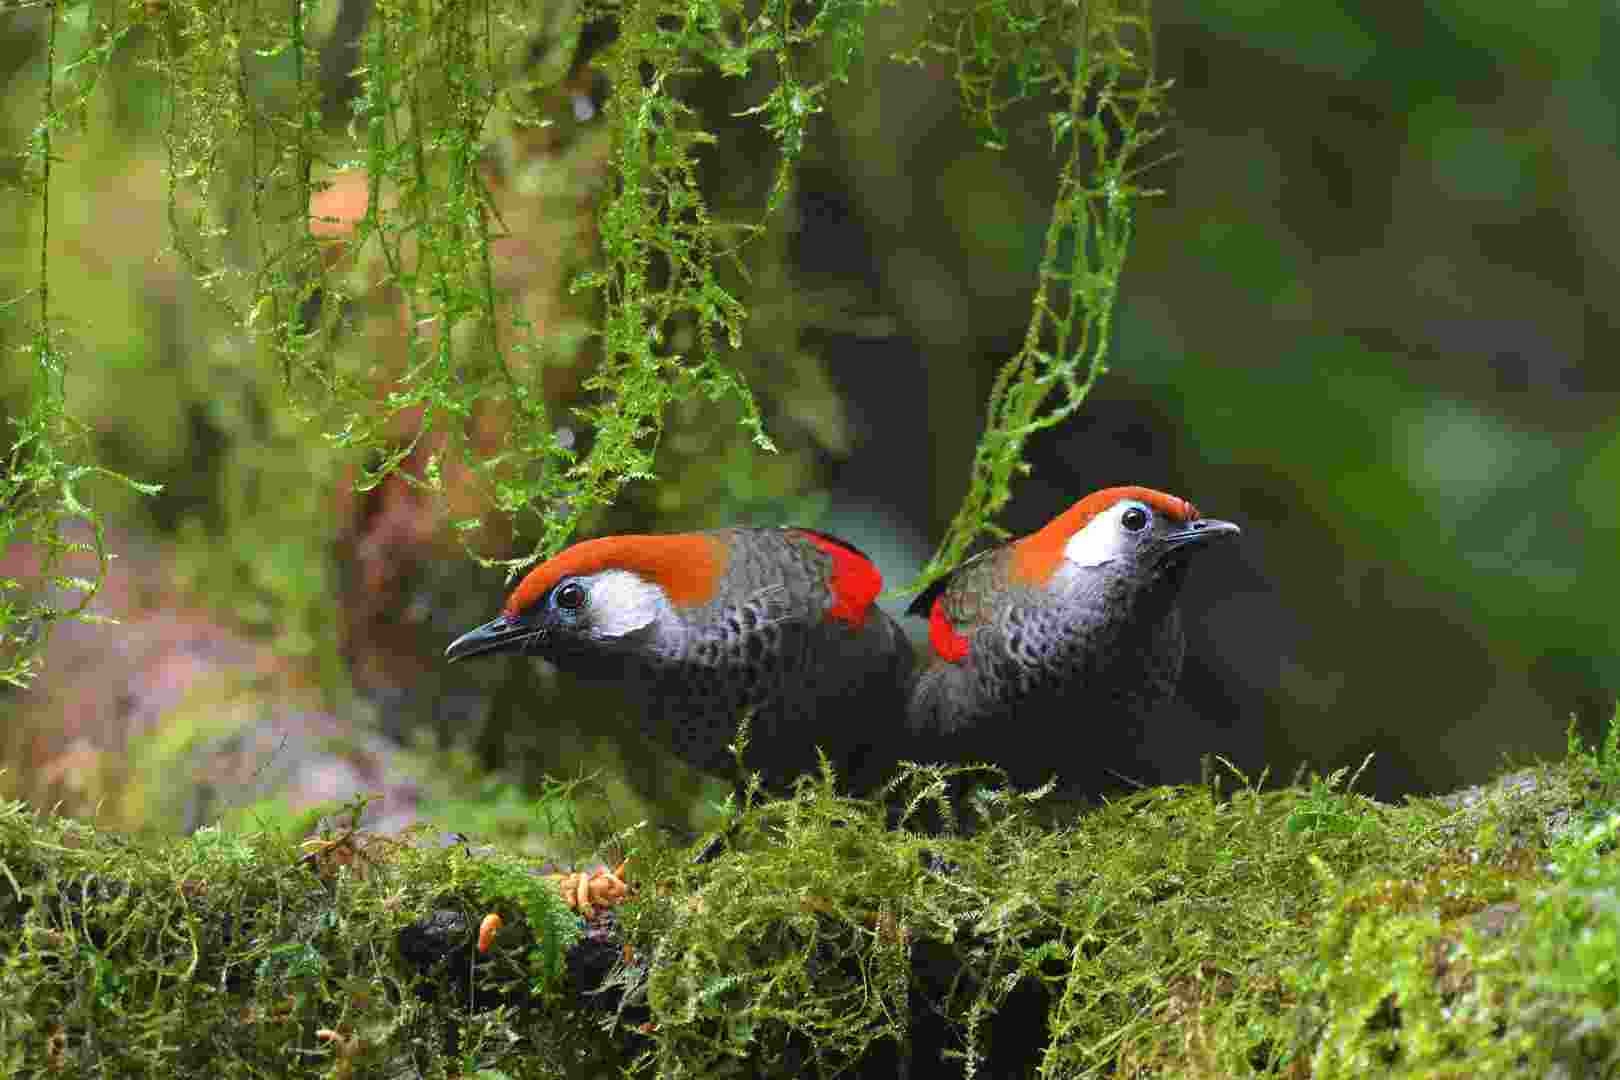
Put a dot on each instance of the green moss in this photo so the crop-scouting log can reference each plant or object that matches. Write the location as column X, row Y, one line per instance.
column 229, row 955
column 43, row 485
column 1105, row 109
column 1179, row 932
column 543, row 379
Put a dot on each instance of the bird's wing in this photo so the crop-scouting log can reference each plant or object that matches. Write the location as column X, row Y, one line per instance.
column 956, row 589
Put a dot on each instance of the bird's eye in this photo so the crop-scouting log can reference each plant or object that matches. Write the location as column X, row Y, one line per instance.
column 1134, row 520
column 570, row 596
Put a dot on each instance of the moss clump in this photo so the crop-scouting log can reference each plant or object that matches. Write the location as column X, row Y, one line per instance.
column 1299, row 931
column 1181, row 931
column 232, row 955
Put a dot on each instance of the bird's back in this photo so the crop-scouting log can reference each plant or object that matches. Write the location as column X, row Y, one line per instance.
column 792, row 634
column 1048, row 682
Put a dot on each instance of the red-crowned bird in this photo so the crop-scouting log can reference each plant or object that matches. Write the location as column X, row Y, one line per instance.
column 1049, row 651
column 700, row 626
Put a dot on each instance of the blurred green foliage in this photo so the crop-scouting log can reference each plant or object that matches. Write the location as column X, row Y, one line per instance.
column 1373, row 320
column 369, row 311
column 671, row 321
column 1370, row 320
column 43, row 502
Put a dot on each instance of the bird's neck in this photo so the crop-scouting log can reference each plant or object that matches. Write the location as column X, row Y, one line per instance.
column 1092, row 618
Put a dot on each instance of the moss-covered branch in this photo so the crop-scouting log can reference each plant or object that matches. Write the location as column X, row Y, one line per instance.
column 1225, row 930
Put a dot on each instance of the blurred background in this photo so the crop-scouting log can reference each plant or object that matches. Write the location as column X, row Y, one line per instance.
column 1371, row 318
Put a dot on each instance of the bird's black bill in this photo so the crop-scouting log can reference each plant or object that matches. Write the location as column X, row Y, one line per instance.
column 501, row 634
column 1199, row 531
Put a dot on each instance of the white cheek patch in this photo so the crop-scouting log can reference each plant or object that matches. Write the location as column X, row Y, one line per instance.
column 622, row 603
column 1100, row 540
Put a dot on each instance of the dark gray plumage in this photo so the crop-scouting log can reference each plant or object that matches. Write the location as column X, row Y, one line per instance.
column 699, row 627
column 1048, row 653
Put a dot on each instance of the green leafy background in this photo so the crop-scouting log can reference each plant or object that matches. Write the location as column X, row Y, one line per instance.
column 1367, row 316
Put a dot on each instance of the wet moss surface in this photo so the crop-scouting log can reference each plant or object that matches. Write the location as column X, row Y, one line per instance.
column 1222, row 930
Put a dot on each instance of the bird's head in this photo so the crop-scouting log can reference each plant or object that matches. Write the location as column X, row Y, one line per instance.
column 599, row 595
column 1128, row 527
column 1142, row 534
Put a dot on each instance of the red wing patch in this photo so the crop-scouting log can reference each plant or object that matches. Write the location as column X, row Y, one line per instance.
column 951, row 646
column 854, row 581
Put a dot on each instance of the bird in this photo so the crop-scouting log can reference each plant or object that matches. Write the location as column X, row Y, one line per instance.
column 700, row 627
column 1048, row 653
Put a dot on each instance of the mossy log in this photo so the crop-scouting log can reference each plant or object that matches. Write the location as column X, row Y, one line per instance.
column 1300, row 931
